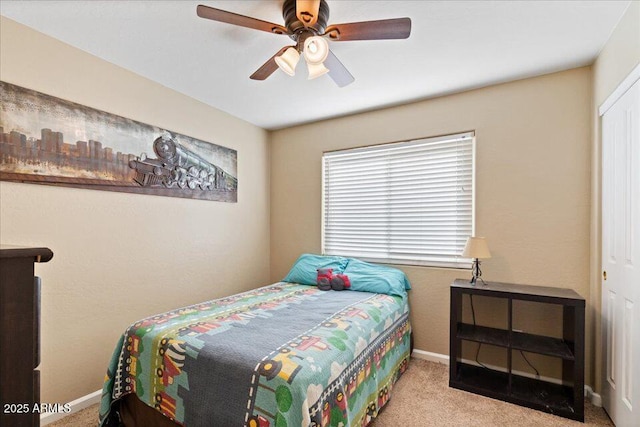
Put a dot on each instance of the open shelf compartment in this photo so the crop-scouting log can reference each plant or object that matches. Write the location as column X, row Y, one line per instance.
column 481, row 380
column 554, row 398
column 483, row 334
column 540, row 344
column 548, row 346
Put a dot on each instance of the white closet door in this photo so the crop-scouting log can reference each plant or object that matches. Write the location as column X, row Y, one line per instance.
column 621, row 258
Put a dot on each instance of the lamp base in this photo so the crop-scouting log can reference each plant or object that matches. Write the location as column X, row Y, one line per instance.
column 476, row 273
column 475, row 280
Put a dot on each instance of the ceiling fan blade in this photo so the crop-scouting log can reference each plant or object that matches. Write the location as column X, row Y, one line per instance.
column 337, row 71
column 241, row 20
column 307, row 11
column 398, row 28
column 268, row 67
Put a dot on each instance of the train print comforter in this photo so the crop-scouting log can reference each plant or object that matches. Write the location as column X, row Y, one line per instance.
column 282, row 355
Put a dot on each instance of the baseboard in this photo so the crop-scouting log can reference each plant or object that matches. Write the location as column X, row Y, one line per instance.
column 76, row 406
column 431, row 357
column 595, row 398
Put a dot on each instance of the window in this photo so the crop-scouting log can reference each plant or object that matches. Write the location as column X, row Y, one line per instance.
column 401, row 203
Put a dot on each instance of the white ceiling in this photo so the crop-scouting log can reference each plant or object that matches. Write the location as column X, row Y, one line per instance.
column 454, row 46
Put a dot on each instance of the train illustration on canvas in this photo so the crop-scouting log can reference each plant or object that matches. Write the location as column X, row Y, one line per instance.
column 48, row 140
column 176, row 166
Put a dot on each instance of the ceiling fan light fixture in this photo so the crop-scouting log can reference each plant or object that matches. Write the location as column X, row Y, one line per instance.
column 306, row 24
column 316, row 70
column 288, row 61
column 316, row 50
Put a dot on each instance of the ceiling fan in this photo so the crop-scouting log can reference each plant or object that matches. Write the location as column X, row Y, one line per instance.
column 306, row 25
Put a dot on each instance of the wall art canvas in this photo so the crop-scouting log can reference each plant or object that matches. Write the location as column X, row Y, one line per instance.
column 47, row 140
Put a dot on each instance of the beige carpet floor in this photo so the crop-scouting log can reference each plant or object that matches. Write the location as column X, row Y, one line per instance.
column 422, row 398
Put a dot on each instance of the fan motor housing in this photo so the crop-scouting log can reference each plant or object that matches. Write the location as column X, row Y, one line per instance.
column 295, row 26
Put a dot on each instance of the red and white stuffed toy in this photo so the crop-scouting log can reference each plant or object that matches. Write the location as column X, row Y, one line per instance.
column 327, row 280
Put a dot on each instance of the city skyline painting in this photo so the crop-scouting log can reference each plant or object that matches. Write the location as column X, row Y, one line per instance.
column 48, row 140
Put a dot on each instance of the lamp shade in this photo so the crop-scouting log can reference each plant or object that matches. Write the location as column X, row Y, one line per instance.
column 476, row 247
column 288, row 61
column 316, row 50
column 317, row 70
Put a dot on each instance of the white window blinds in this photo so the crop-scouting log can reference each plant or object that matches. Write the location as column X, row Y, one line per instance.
column 402, row 203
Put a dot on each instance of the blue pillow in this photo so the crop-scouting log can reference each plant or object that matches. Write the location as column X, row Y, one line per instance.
column 376, row 278
column 305, row 269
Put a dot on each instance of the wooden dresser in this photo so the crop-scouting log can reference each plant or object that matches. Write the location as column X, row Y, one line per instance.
column 20, row 338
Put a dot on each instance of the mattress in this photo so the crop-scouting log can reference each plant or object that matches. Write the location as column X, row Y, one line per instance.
column 281, row 355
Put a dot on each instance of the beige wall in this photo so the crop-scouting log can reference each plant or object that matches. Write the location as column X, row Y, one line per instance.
column 533, row 188
column 616, row 60
column 119, row 257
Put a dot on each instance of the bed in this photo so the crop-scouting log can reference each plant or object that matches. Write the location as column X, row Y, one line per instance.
column 288, row 354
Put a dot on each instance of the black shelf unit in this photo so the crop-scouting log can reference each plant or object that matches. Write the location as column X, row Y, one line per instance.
column 565, row 399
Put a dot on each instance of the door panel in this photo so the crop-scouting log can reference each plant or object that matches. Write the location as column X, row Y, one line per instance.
column 611, row 343
column 627, row 355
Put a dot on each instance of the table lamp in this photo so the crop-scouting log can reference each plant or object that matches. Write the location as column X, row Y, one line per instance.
column 476, row 248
